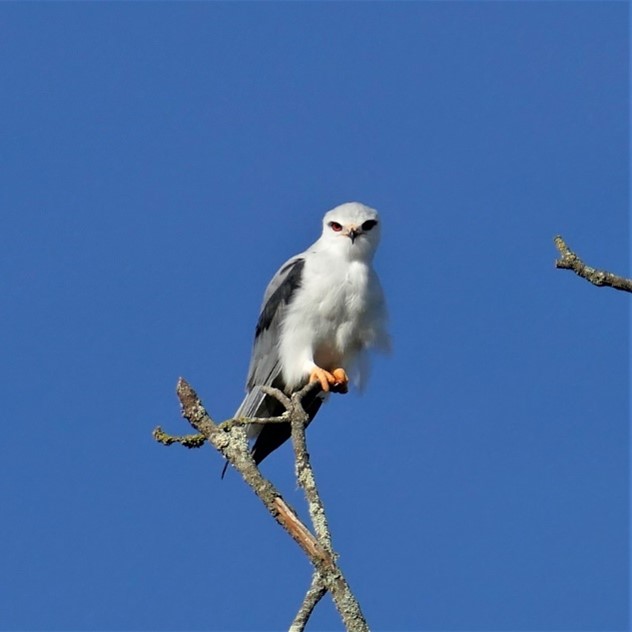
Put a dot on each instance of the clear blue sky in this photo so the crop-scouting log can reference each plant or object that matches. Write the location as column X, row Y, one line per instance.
column 159, row 161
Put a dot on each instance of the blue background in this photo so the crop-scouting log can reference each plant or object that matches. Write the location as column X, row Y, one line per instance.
column 159, row 161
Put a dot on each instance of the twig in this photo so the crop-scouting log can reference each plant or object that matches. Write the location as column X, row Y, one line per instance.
column 188, row 441
column 246, row 421
column 314, row 594
column 570, row 261
column 198, row 440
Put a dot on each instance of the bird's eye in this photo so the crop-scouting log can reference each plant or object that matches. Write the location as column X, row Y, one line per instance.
column 335, row 226
column 369, row 224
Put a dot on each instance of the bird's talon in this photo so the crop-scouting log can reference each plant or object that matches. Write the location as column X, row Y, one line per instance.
column 324, row 377
column 336, row 381
column 341, row 385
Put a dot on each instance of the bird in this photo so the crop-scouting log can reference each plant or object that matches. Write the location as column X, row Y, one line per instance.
column 322, row 312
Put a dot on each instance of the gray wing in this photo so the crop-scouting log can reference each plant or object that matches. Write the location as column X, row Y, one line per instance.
column 265, row 366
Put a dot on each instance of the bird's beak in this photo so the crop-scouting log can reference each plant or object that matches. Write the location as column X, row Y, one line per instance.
column 353, row 233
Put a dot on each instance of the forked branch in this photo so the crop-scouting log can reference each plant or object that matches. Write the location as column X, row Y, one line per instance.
column 229, row 438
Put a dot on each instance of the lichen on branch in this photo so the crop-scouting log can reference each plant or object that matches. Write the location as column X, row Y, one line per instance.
column 570, row 261
column 229, row 438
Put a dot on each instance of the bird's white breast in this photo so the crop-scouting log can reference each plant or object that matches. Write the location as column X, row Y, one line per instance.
column 327, row 321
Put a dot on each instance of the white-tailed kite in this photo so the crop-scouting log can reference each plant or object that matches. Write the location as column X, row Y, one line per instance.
column 321, row 312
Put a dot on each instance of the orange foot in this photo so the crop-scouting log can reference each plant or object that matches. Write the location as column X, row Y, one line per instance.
column 335, row 381
column 341, row 385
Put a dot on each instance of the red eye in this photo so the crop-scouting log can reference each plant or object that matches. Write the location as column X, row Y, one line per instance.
column 335, row 226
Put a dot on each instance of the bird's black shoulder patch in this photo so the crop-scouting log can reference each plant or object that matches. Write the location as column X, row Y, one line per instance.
column 283, row 294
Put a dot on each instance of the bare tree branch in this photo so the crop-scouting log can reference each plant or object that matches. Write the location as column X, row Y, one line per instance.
column 304, row 472
column 315, row 593
column 307, row 482
column 188, row 441
column 229, row 438
column 570, row 261
column 344, row 600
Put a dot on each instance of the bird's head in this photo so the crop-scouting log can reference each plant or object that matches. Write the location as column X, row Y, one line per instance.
column 353, row 228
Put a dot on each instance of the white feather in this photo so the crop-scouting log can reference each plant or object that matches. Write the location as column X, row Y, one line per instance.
column 333, row 318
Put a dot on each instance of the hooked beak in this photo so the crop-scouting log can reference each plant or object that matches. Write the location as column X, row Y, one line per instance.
column 353, row 233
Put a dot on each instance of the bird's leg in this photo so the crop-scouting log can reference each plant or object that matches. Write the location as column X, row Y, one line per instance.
column 341, row 385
